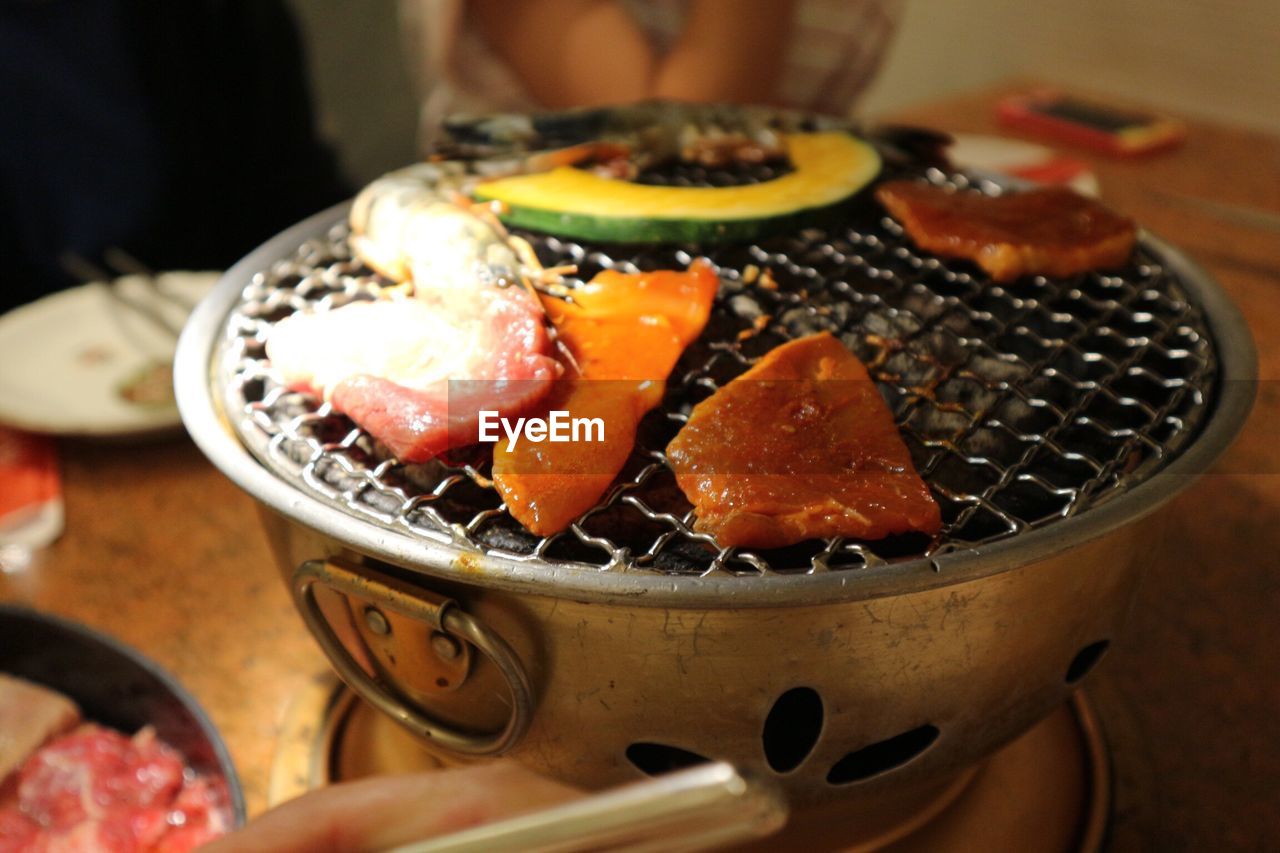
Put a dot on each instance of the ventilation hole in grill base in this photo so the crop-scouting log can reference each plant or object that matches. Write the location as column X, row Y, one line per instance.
column 792, row 728
column 1085, row 660
column 882, row 756
column 654, row 759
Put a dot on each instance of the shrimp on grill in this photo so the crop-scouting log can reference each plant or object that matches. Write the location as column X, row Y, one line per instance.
column 414, row 225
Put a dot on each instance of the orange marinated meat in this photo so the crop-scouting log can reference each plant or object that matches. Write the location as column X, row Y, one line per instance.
column 800, row 446
column 625, row 333
column 1050, row 231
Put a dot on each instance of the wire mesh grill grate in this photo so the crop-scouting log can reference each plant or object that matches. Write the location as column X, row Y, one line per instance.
column 1021, row 403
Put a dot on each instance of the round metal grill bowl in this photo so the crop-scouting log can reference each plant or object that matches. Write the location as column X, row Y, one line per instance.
column 1049, row 417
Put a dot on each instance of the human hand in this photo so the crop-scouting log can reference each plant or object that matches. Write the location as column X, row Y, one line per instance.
column 378, row 814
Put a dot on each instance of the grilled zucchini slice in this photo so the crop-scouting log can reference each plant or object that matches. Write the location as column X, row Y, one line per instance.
column 828, row 168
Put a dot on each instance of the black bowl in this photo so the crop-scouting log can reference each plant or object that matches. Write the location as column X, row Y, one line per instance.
column 117, row 687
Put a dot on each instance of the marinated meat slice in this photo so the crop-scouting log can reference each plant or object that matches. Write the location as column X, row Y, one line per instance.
column 800, row 446
column 29, row 716
column 96, row 789
column 1051, row 231
column 17, row 831
column 625, row 333
column 201, row 805
column 82, row 774
column 415, row 373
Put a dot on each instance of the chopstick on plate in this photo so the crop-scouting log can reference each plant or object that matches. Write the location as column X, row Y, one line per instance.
column 89, row 272
column 124, row 263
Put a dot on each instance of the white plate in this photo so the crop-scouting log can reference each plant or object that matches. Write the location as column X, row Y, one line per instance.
column 68, row 361
column 1010, row 156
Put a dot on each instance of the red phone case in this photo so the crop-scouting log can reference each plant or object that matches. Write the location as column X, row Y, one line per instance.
column 1027, row 112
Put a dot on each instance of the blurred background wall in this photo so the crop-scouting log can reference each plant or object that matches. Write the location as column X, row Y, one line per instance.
column 1210, row 59
column 360, row 83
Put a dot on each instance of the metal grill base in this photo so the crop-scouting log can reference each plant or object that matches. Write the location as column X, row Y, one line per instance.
column 1049, row 789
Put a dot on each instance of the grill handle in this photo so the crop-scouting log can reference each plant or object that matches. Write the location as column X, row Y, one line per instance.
column 445, row 615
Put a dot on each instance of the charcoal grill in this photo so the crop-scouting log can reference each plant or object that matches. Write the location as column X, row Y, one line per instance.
column 1049, row 417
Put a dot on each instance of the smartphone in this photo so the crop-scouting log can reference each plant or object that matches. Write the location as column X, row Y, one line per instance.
column 1090, row 124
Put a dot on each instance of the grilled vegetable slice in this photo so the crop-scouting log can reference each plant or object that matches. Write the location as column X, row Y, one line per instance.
column 626, row 332
column 829, row 167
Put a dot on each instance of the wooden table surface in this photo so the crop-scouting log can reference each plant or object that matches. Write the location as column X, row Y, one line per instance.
column 164, row 553
column 1190, row 693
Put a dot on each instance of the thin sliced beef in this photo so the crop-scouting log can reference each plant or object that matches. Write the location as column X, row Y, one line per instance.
column 415, row 372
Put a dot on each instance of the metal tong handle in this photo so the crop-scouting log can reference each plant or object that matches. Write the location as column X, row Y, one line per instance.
column 701, row 808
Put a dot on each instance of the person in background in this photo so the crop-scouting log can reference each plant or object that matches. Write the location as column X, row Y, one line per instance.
column 486, row 55
column 181, row 133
